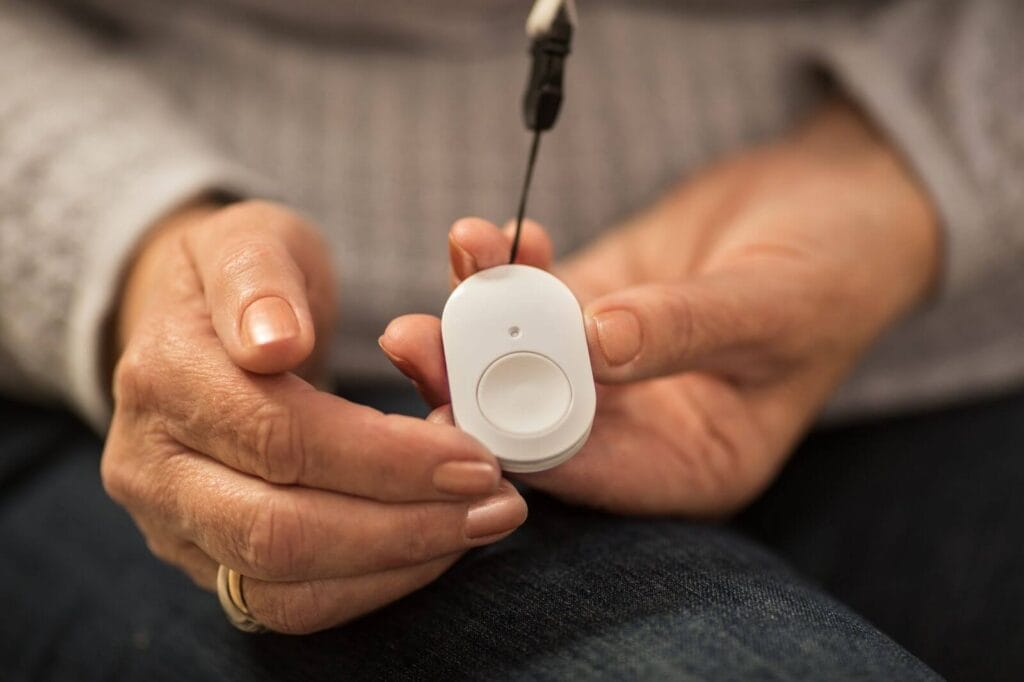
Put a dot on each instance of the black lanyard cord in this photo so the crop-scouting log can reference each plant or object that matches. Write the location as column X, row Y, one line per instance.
column 521, row 213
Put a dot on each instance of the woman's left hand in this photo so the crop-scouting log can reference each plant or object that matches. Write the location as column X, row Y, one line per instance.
column 720, row 320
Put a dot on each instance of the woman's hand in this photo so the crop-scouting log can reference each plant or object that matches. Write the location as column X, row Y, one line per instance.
column 224, row 455
column 720, row 321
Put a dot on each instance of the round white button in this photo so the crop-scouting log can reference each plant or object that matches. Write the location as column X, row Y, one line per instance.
column 523, row 393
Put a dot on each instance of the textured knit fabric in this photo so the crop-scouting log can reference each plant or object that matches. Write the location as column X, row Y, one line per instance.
column 386, row 121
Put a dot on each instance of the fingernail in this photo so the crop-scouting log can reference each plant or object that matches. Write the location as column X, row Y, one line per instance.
column 267, row 320
column 399, row 362
column 618, row 335
column 466, row 478
column 499, row 514
column 462, row 261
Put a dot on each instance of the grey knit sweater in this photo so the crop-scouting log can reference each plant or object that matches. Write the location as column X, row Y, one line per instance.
column 386, row 120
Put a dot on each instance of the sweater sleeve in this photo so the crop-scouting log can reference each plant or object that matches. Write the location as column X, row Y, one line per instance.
column 943, row 79
column 91, row 155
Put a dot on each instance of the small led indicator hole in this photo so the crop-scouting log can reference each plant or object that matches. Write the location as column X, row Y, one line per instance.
column 514, row 332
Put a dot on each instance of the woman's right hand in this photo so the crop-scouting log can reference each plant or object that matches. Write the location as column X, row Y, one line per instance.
column 223, row 454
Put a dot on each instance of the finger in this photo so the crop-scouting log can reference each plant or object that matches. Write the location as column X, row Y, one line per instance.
column 413, row 344
column 303, row 607
column 300, row 607
column 286, row 533
column 535, row 247
column 475, row 244
column 723, row 322
column 179, row 553
column 320, row 440
column 249, row 258
column 282, row 430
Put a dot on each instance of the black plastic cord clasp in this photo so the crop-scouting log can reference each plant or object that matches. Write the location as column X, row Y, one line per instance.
column 543, row 97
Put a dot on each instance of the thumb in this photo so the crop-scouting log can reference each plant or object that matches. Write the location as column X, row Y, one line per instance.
column 724, row 321
column 250, row 258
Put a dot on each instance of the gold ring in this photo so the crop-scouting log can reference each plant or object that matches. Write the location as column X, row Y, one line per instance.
column 232, row 600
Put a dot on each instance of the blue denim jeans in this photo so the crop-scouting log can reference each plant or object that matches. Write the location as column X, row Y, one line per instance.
column 574, row 593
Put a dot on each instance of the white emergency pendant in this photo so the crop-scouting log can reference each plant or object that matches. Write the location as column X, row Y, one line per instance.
column 518, row 366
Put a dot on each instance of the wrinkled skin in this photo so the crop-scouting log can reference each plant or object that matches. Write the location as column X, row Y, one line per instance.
column 224, row 454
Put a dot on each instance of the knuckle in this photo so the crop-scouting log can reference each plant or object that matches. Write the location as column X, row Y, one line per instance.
column 783, row 329
column 160, row 354
column 120, row 476
column 274, row 545
column 680, row 321
column 114, row 476
column 391, row 465
column 295, row 610
column 277, row 444
column 420, row 543
column 681, row 311
column 133, row 380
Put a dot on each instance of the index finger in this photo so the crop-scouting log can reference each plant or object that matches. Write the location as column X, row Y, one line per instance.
column 284, row 431
column 315, row 439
